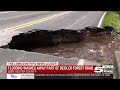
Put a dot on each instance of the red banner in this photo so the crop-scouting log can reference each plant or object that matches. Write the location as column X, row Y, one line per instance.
column 61, row 69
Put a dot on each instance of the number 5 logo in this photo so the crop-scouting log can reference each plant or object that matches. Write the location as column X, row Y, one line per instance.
column 98, row 69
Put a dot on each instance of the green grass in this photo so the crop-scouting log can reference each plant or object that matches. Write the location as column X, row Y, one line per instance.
column 112, row 18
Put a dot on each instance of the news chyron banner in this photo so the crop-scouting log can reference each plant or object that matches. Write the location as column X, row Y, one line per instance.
column 51, row 70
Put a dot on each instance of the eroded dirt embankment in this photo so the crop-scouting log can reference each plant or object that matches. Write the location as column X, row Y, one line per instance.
column 43, row 38
column 90, row 43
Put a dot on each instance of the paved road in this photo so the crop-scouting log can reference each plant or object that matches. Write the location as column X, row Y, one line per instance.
column 8, row 55
column 50, row 20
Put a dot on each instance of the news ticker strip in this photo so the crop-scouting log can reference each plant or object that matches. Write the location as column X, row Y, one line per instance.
column 60, row 76
column 49, row 68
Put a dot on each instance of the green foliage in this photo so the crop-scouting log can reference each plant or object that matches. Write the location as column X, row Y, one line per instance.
column 112, row 18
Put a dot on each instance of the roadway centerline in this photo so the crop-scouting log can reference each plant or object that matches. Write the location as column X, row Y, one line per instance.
column 35, row 22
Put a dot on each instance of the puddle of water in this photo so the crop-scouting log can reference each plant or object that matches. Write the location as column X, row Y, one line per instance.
column 100, row 49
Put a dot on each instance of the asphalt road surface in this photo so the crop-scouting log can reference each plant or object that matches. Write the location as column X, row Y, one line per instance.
column 22, row 21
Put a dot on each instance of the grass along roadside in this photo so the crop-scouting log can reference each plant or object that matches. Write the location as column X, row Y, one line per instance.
column 112, row 18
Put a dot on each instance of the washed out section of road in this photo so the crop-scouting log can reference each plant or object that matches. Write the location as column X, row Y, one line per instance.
column 66, row 21
column 91, row 43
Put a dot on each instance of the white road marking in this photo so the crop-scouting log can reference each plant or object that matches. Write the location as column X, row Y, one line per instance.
column 100, row 22
column 81, row 18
